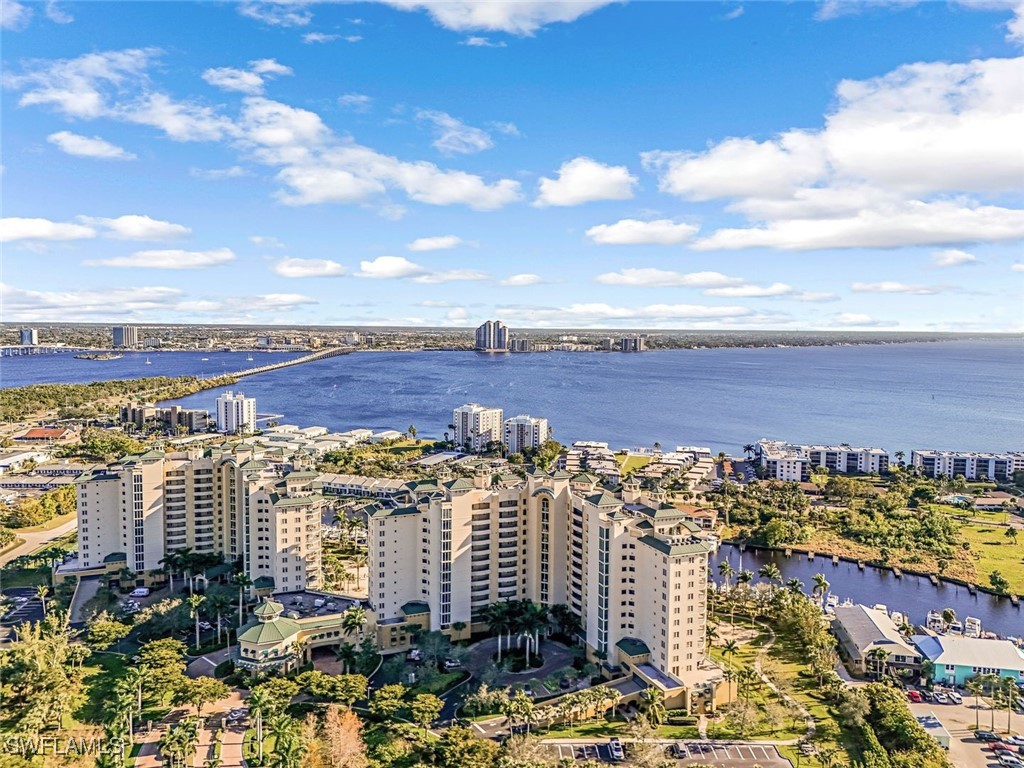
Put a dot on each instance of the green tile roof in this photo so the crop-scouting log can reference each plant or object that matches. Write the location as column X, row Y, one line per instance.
column 116, row 557
column 462, row 484
column 275, row 631
column 586, row 477
column 268, row 608
column 264, row 582
column 675, row 550
column 415, row 607
column 380, row 512
column 604, row 499
column 633, row 647
column 294, row 501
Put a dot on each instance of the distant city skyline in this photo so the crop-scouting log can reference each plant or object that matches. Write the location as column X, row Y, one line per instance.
column 805, row 166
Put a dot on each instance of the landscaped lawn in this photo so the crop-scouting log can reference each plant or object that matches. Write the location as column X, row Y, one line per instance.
column 26, row 577
column 996, row 553
column 439, row 684
column 631, row 463
column 50, row 524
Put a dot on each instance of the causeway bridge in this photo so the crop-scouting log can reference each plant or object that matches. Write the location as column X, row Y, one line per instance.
column 323, row 354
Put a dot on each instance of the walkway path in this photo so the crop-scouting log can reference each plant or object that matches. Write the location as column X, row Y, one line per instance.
column 808, row 719
column 36, row 539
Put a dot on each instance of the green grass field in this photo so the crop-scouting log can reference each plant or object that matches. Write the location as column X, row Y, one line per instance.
column 996, row 552
column 631, row 463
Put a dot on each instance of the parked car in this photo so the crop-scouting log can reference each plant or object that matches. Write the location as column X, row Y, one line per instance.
column 414, row 655
column 205, row 626
column 1009, row 761
column 1017, row 741
column 941, row 698
column 452, row 664
column 139, row 592
column 955, row 697
column 615, row 749
column 927, row 695
column 915, row 696
column 564, row 683
column 678, row 750
column 985, row 736
column 999, row 746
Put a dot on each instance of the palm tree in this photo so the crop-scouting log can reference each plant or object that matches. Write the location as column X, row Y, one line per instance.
column 243, row 582
column 42, row 590
column 725, row 570
column 655, row 704
column 821, row 587
column 347, row 655
column 771, row 572
column 218, row 603
column 171, row 561
column 881, row 658
column 136, row 678
column 353, row 620
column 795, row 586
column 976, row 688
column 194, row 601
column 1010, row 695
column 748, row 449
column 358, row 562
column 534, row 618
column 498, row 618
column 259, row 704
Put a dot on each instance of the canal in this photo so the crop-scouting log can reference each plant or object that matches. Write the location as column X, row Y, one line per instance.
column 913, row 596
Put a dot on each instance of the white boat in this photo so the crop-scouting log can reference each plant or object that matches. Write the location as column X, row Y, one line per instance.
column 832, row 601
column 148, row 361
column 204, row 359
column 881, row 607
column 847, row 602
column 972, row 627
column 248, row 359
column 898, row 618
column 935, row 622
column 955, row 627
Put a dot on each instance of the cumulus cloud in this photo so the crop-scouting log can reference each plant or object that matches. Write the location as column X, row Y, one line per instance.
column 583, row 180
column 319, row 37
column 14, row 16
column 891, row 286
column 84, row 146
column 56, row 14
column 518, row 17
column 167, row 259
column 282, row 13
column 635, row 232
column 453, row 136
column 357, row 102
column 953, row 257
column 475, row 41
column 859, row 320
column 578, row 315
column 265, row 241
column 1017, row 267
column 648, row 277
column 903, row 159
column 451, row 276
column 16, row 228
column 250, row 81
column 522, row 280
column 137, row 227
column 750, row 291
column 87, row 304
column 308, row 268
column 389, row 267
column 439, row 243
column 218, row 174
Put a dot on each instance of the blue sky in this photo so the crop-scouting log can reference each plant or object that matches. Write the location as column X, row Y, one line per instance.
column 665, row 165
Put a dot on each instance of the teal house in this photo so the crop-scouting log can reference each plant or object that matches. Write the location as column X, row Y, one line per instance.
column 958, row 659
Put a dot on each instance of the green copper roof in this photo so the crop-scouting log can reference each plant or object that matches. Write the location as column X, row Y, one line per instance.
column 586, row 477
column 415, row 607
column 379, row 512
column 269, row 631
column 294, row 501
column 116, row 557
column 633, row 647
column 264, row 582
column 462, row 484
column 604, row 499
column 675, row 550
column 268, row 608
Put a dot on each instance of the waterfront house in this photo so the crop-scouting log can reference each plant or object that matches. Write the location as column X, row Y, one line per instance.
column 862, row 630
column 958, row 659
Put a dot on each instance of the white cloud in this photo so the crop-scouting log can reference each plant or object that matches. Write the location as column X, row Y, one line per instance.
column 475, row 41
column 309, row 268
column 56, row 14
column 750, row 291
column 357, row 102
column 902, row 159
column 217, row 174
column 265, row 241
column 522, row 280
column 577, row 315
column 456, row 314
column 84, row 146
column 16, row 228
column 137, row 227
column 953, row 257
column 249, row 81
column 891, row 286
column 519, row 17
column 14, row 16
column 583, row 180
column 389, row 267
column 87, row 304
column 439, row 243
column 814, row 296
column 1017, row 267
column 635, row 232
column 319, row 37
column 506, row 128
column 169, row 259
column 859, row 320
column 735, row 13
column 453, row 136
column 353, row 38
column 276, row 14
column 910, row 223
column 451, row 276
column 649, row 277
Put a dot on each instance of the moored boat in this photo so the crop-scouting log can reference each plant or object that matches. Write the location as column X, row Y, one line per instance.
column 972, row 627
column 935, row 622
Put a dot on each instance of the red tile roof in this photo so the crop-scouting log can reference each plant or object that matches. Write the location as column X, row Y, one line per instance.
column 46, row 433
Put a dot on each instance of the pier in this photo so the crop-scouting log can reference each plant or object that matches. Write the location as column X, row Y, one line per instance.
column 897, row 572
column 311, row 358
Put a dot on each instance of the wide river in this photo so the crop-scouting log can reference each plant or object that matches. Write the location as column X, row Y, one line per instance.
column 913, row 596
column 948, row 395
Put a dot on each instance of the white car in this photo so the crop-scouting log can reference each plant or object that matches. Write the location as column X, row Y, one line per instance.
column 140, row 592
column 941, row 698
column 615, row 749
column 1017, row 741
column 955, row 697
column 452, row 664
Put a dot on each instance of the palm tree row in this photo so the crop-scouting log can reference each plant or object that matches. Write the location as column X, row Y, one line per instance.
column 522, row 618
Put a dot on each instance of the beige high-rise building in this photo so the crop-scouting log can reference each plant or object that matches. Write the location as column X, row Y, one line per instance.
column 476, row 426
column 522, row 432
column 630, row 565
column 247, row 504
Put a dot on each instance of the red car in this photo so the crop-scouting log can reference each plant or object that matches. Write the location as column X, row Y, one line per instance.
column 914, row 696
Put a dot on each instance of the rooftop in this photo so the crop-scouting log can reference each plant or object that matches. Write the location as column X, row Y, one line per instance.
column 970, row 651
column 865, row 626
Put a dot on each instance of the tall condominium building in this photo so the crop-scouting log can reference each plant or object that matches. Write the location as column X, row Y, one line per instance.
column 476, row 426
column 251, row 505
column 492, row 336
column 633, row 344
column 630, row 566
column 29, row 337
column 125, row 336
column 785, row 461
column 236, row 413
column 520, row 345
column 970, row 464
column 521, row 432
column 171, row 417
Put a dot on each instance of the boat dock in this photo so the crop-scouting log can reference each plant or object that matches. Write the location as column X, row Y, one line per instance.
column 897, row 572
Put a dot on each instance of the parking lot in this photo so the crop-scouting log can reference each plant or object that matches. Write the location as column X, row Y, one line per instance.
column 724, row 755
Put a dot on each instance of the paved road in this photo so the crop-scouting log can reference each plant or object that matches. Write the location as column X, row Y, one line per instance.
column 960, row 719
column 722, row 754
column 36, row 539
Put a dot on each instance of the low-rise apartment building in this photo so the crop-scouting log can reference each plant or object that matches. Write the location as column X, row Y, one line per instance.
column 970, row 464
column 780, row 460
